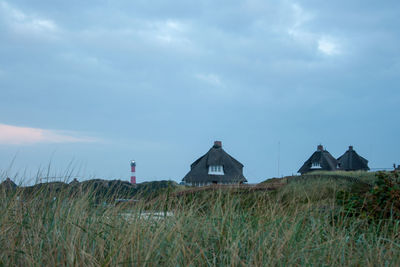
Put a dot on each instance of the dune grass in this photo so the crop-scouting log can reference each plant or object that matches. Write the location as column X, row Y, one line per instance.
column 299, row 224
column 369, row 177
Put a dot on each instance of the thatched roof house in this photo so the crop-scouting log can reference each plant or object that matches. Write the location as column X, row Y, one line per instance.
column 320, row 160
column 351, row 161
column 215, row 167
column 8, row 184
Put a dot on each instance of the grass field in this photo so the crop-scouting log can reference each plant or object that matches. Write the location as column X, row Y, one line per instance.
column 362, row 175
column 298, row 224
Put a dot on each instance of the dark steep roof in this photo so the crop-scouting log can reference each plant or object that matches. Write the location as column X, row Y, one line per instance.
column 233, row 169
column 8, row 184
column 351, row 161
column 321, row 158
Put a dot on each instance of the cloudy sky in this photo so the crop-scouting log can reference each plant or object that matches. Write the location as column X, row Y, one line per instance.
column 90, row 85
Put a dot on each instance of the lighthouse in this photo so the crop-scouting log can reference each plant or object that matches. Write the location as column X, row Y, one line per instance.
column 133, row 172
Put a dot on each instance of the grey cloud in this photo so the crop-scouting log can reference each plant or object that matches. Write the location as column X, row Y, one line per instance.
column 203, row 69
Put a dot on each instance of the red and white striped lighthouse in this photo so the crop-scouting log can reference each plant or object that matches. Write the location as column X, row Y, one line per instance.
column 133, row 172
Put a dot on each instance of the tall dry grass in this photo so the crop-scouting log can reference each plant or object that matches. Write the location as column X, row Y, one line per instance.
column 298, row 225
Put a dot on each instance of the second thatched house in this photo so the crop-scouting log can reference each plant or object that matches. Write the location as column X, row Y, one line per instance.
column 320, row 160
column 351, row 161
column 215, row 167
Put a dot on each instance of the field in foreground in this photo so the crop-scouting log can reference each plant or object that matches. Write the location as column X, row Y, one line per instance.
column 298, row 224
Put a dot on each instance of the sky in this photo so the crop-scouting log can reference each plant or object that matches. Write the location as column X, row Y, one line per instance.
column 87, row 86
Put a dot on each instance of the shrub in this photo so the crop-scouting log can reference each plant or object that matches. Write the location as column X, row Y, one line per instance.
column 382, row 201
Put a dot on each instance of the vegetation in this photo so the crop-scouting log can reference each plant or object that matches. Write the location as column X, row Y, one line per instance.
column 99, row 190
column 382, row 201
column 302, row 223
column 368, row 177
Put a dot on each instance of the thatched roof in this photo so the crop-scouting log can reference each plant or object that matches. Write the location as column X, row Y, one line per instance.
column 216, row 156
column 319, row 160
column 8, row 184
column 351, row 161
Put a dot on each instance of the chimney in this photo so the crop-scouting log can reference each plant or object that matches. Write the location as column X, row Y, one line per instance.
column 217, row 144
column 351, row 148
column 320, row 148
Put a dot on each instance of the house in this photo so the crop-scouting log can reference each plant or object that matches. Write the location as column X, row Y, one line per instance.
column 8, row 184
column 351, row 161
column 320, row 160
column 215, row 167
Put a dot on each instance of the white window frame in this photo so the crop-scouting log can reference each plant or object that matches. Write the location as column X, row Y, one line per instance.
column 316, row 165
column 216, row 170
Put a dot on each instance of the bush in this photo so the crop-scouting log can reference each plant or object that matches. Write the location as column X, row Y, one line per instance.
column 382, row 201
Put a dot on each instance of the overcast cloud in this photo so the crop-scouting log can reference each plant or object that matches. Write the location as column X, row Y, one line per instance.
column 159, row 81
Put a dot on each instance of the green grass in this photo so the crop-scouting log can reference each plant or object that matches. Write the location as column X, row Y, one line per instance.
column 299, row 224
column 369, row 177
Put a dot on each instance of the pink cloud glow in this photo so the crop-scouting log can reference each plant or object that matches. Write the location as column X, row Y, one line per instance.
column 15, row 135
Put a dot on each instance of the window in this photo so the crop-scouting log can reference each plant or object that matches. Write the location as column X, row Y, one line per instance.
column 316, row 165
column 216, row 170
